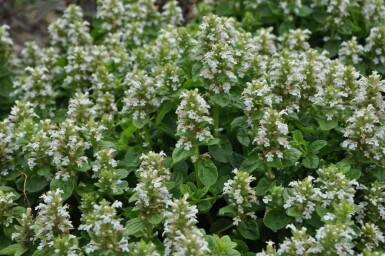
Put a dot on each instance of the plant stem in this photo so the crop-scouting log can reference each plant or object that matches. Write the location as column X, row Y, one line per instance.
column 216, row 120
column 225, row 228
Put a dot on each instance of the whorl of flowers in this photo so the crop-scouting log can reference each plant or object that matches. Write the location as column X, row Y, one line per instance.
column 271, row 135
column 24, row 232
column 36, row 87
column 111, row 13
column 169, row 77
column 6, row 43
column 304, row 197
column 373, row 11
column 109, row 178
column 336, row 239
column 338, row 11
column 270, row 250
column 82, row 63
column 370, row 91
column 240, row 193
column 38, row 145
column 49, row 59
column 218, row 68
column 141, row 98
column 363, row 134
column 335, row 185
column 337, row 89
column 300, row 243
column 172, row 13
column 351, row 51
column 256, row 96
column 151, row 189
column 66, row 149
column 108, row 235
column 143, row 248
column 264, row 41
column 31, row 54
column 193, row 120
column 373, row 205
column 295, row 40
column 212, row 31
column 80, row 109
column 70, row 30
column 371, row 236
column 285, row 77
column 289, row 7
column 375, row 45
column 66, row 245
column 182, row 237
column 52, row 219
column 6, row 204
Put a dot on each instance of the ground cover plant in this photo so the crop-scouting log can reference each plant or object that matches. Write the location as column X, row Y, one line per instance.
column 134, row 135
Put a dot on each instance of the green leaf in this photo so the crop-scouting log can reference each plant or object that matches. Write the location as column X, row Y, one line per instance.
column 207, row 172
column 379, row 173
column 297, row 136
column 262, row 187
column 222, row 246
column 326, row 125
column 251, row 163
column 12, row 249
column 35, row 183
column 134, row 226
column 321, row 211
column 196, row 71
column 311, row 162
column 167, row 107
column 276, row 219
column 44, row 252
column 180, row 154
column 353, row 174
column 211, row 142
column 249, row 229
column 238, row 122
column 305, row 11
column 222, row 152
column 243, row 138
column 291, row 156
column 155, row 219
column 44, row 171
column 185, row 189
column 66, row 186
column 221, row 99
column 294, row 212
column 139, row 122
column 228, row 210
column 317, row 146
column 332, row 47
column 204, row 206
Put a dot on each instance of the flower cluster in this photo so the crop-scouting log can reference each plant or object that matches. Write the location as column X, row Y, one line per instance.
column 241, row 195
column 351, row 51
column 151, row 190
column 182, row 237
column 70, row 30
column 6, row 204
column 52, row 220
column 271, row 135
column 107, row 234
column 374, row 46
column 304, row 197
column 141, row 98
column 6, row 43
column 193, row 120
